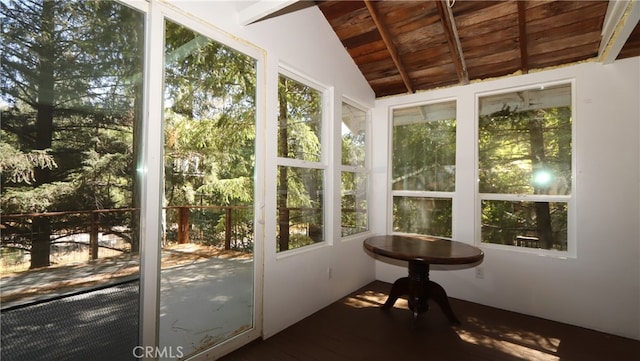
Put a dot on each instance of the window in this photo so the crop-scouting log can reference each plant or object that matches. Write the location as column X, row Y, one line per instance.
column 301, row 169
column 525, row 167
column 353, row 209
column 423, row 168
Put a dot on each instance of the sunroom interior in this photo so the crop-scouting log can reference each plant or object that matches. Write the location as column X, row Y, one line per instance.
column 353, row 70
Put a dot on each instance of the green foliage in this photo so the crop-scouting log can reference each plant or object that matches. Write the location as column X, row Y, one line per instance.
column 526, row 152
column 297, row 241
column 507, row 161
column 94, row 63
column 424, row 156
column 353, row 149
column 297, row 187
column 353, row 214
column 300, row 120
column 431, row 216
column 209, row 120
column 229, row 190
column 71, row 100
column 209, row 130
column 35, row 200
column 18, row 167
column 504, row 221
column 424, row 159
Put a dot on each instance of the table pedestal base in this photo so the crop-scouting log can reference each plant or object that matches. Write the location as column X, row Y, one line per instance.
column 420, row 289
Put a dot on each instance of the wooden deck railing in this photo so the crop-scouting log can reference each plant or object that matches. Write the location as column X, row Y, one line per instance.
column 16, row 240
column 16, row 232
column 180, row 227
column 184, row 223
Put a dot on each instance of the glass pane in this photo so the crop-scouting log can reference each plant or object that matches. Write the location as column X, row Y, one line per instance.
column 424, row 147
column 353, row 211
column 422, row 215
column 300, row 207
column 206, row 294
column 525, row 142
column 354, row 127
column 71, row 103
column 525, row 224
column 299, row 120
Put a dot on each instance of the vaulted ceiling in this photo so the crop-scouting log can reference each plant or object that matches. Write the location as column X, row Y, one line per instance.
column 408, row 46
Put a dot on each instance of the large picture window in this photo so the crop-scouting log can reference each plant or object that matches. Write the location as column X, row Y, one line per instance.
column 71, row 104
column 423, row 168
column 301, row 170
column 353, row 210
column 525, row 167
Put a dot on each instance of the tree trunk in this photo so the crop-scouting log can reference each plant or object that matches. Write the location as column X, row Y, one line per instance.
column 283, row 211
column 41, row 246
column 40, row 250
column 315, row 228
column 538, row 161
column 543, row 224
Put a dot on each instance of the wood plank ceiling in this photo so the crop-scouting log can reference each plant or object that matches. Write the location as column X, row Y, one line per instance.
column 407, row 46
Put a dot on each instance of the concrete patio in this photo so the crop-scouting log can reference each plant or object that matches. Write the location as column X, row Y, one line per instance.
column 202, row 302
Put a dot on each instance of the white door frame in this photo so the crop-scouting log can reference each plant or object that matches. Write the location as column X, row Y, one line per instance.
column 151, row 175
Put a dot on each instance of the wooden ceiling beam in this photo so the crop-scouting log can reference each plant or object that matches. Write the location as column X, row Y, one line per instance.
column 451, row 32
column 522, row 29
column 390, row 46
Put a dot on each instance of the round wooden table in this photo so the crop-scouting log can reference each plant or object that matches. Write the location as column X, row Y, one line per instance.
column 420, row 252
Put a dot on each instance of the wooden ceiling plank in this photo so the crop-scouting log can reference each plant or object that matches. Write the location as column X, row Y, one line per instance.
column 632, row 47
column 498, row 37
column 566, row 55
column 451, row 33
column 333, row 10
column 553, row 23
column 568, row 42
column 569, row 10
column 485, row 13
column 361, row 39
column 423, row 44
column 559, row 30
column 389, row 43
column 522, row 31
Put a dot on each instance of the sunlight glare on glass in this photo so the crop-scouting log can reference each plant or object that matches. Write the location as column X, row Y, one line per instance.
column 345, row 129
column 542, row 177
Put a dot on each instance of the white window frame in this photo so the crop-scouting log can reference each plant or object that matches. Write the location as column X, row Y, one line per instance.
column 325, row 147
column 571, row 251
column 421, row 194
column 364, row 170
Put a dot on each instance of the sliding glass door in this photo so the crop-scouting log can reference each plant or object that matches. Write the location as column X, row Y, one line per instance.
column 208, row 230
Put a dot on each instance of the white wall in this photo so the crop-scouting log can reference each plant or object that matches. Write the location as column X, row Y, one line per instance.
column 599, row 288
column 297, row 283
